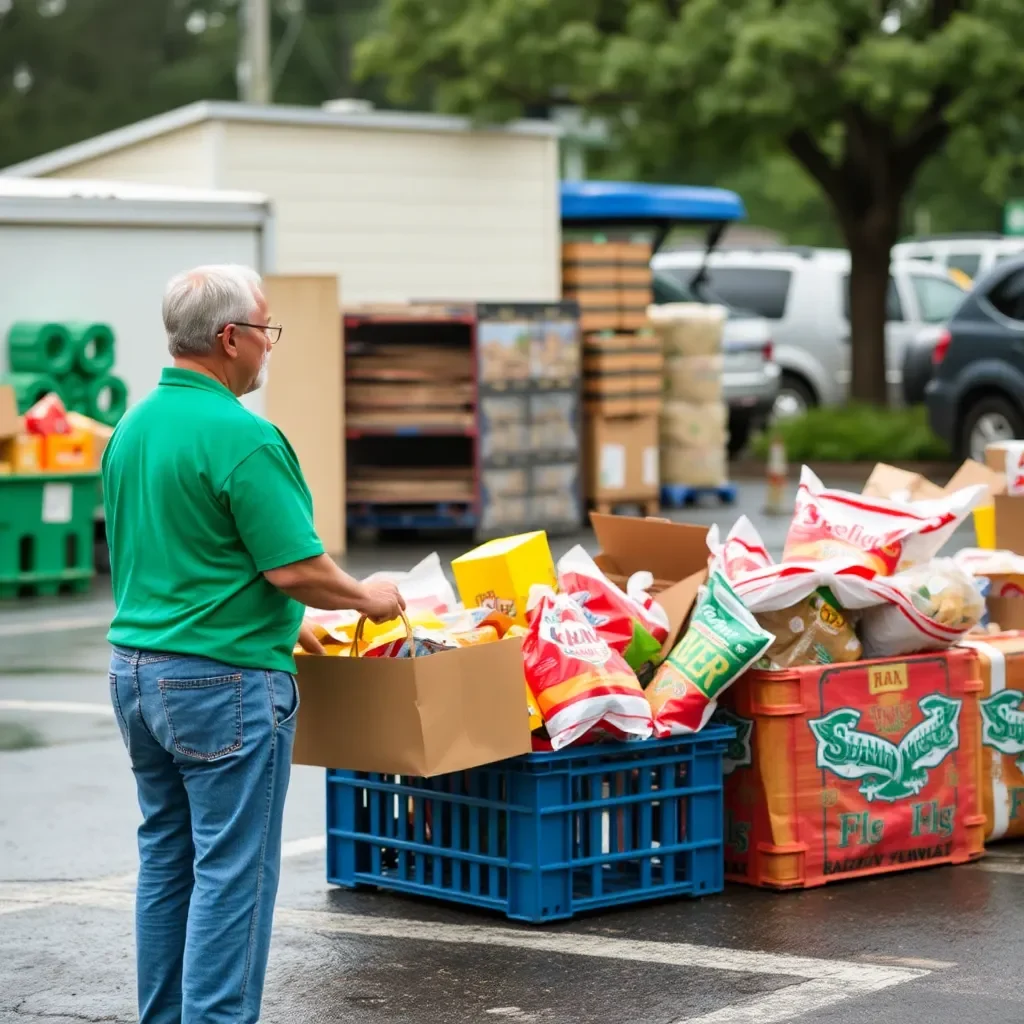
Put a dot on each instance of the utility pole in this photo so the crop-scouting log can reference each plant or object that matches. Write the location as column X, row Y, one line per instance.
column 254, row 79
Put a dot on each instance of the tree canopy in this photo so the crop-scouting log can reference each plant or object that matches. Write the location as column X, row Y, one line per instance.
column 861, row 93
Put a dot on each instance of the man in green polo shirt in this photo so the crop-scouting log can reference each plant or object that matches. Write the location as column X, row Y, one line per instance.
column 213, row 555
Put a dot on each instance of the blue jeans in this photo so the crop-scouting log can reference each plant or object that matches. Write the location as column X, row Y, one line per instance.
column 210, row 746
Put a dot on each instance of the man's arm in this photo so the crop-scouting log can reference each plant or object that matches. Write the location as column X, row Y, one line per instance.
column 319, row 583
column 270, row 503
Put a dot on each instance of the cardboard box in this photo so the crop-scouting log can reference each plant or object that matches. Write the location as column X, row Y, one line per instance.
column 10, row 422
column 498, row 574
column 445, row 712
column 69, row 453
column 901, row 485
column 676, row 553
column 99, row 432
column 621, row 458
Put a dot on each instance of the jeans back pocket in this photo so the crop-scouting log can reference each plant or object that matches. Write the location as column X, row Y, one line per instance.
column 204, row 715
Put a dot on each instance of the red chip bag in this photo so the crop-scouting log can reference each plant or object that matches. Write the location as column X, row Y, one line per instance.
column 48, row 416
column 633, row 624
column 883, row 535
column 578, row 681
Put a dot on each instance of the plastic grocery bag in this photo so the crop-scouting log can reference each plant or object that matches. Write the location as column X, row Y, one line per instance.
column 722, row 641
column 425, row 586
column 767, row 586
column 632, row 623
column 814, row 631
column 885, row 536
column 928, row 607
column 577, row 680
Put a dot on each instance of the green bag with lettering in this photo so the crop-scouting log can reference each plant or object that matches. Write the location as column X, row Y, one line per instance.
column 722, row 641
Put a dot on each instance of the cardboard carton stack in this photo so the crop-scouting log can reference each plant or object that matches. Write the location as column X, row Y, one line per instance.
column 76, row 447
column 622, row 363
column 694, row 430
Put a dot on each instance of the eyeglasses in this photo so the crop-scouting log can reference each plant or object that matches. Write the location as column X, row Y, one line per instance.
column 272, row 331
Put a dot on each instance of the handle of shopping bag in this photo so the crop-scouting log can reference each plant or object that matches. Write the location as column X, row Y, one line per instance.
column 354, row 653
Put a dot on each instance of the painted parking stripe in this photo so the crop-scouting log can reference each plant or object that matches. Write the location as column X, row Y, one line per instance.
column 818, row 983
column 55, row 707
column 33, row 627
column 823, row 982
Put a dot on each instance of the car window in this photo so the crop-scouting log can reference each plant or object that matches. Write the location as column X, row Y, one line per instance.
column 968, row 262
column 893, row 306
column 937, row 298
column 1008, row 295
column 1000, row 256
column 762, row 291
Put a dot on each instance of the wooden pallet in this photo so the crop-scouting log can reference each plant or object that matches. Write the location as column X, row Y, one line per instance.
column 610, row 506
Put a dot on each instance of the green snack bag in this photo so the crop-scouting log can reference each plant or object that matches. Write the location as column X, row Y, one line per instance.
column 722, row 641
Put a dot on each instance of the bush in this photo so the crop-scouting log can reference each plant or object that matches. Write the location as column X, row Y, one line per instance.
column 857, row 433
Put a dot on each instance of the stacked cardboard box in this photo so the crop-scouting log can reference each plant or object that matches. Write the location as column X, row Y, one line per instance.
column 622, row 366
column 611, row 281
column 694, row 420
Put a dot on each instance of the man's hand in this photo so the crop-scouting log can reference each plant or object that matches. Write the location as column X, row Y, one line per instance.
column 382, row 602
column 308, row 641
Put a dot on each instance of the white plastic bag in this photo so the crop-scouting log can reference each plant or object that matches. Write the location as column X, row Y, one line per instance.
column 885, row 536
column 926, row 608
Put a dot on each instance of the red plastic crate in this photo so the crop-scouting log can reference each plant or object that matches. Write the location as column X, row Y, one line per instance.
column 840, row 771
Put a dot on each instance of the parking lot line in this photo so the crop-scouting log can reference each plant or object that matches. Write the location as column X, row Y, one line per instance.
column 61, row 707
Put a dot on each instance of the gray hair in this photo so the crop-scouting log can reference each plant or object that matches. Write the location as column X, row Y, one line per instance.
column 200, row 302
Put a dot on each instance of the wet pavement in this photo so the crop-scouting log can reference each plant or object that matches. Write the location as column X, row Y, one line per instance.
column 937, row 946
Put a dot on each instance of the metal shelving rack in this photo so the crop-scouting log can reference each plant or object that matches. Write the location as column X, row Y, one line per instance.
column 517, row 450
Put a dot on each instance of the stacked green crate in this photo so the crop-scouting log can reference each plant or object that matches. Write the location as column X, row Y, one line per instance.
column 46, row 534
column 72, row 359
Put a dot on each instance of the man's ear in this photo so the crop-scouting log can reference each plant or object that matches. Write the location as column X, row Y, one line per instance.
column 228, row 342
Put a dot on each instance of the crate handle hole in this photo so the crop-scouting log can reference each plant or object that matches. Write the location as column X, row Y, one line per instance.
column 26, row 553
column 71, row 551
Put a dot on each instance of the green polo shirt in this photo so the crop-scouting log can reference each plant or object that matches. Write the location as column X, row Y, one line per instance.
column 202, row 496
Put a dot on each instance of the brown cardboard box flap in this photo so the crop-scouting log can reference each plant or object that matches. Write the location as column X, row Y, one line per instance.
column 422, row 716
column 972, row 473
column 1009, row 523
column 676, row 553
column 899, row 484
column 10, row 424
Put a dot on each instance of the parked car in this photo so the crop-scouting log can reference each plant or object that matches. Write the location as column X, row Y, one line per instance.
column 750, row 375
column 969, row 254
column 976, row 394
column 918, row 366
column 803, row 293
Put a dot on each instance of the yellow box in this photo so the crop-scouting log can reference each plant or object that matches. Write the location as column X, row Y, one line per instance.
column 498, row 575
column 985, row 526
column 20, row 454
column 69, row 453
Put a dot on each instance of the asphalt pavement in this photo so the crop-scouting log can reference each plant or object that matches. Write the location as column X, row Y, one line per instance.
column 937, row 945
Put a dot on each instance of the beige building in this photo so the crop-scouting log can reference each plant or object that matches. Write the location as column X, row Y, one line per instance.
column 399, row 206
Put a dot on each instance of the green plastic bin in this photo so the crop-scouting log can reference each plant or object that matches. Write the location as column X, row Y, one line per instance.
column 46, row 534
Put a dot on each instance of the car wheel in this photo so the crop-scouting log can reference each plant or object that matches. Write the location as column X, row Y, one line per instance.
column 795, row 397
column 988, row 421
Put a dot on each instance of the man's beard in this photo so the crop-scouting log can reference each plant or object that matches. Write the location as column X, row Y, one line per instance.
column 261, row 377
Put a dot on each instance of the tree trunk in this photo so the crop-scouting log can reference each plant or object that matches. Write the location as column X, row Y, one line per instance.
column 870, row 241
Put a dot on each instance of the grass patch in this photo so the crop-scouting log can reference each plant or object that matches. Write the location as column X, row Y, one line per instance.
column 857, row 433
column 19, row 737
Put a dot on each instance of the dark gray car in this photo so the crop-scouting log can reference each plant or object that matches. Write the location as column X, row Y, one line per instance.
column 976, row 395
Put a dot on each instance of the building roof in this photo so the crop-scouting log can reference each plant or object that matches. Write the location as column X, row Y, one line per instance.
column 632, row 202
column 80, row 201
column 211, row 110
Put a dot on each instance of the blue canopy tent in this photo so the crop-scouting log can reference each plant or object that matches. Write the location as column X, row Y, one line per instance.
column 609, row 205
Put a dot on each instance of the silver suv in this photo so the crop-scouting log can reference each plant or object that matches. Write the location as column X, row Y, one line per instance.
column 803, row 294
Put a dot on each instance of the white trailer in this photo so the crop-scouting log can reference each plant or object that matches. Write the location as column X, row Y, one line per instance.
column 103, row 251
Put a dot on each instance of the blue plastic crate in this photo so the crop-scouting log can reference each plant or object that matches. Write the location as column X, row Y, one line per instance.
column 541, row 837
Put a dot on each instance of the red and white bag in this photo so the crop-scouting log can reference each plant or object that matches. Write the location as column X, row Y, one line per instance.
column 926, row 608
column 767, row 586
column 885, row 536
column 577, row 680
column 632, row 622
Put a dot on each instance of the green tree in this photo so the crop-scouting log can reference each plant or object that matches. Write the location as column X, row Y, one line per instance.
column 861, row 93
